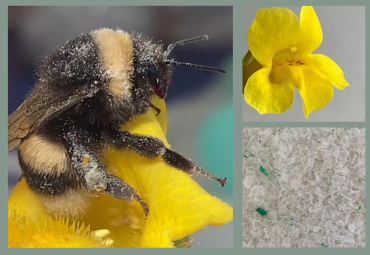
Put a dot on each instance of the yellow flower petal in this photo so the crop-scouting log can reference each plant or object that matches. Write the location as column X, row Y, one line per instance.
column 315, row 91
column 273, row 30
column 45, row 232
column 250, row 66
column 329, row 69
column 178, row 205
column 268, row 97
column 310, row 34
column 162, row 117
column 25, row 202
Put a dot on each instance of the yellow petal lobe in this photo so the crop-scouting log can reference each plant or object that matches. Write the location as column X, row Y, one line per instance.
column 327, row 68
column 268, row 97
column 250, row 66
column 315, row 91
column 310, row 33
column 273, row 30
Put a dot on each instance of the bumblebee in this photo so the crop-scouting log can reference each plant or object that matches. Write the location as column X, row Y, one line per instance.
column 85, row 89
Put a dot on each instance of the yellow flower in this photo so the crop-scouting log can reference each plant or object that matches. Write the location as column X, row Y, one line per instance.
column 178, row 205
column 282, row 45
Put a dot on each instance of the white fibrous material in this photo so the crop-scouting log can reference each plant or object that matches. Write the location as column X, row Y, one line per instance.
column 304, row 187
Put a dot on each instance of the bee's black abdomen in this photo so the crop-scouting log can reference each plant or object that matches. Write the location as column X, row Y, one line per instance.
column 50, row 183
column 46, row 166
column 47, row 169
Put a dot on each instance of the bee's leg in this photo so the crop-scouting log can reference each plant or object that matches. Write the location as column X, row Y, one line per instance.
column 151, row 147
column 155, row 108
column 180, row 162
column 97, row 180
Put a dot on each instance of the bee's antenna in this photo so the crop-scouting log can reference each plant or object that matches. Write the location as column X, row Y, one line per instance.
column 195, row 66
column 186, row 41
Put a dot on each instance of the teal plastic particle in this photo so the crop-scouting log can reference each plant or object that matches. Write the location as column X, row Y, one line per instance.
column 261, row 211
column 263, row 170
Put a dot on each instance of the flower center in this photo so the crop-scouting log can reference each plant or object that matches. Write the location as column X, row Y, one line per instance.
column 285, row 68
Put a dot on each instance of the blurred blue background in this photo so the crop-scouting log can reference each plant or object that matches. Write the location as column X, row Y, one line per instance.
column 199, row 103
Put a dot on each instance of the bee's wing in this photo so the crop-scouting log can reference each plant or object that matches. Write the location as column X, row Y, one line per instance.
column 36, row 109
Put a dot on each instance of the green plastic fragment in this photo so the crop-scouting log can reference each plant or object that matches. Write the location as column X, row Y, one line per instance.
column 322, row 244
column 261, row 211
column 263, row 170
column 291, row 221
column 360, row 207
column 248, row 154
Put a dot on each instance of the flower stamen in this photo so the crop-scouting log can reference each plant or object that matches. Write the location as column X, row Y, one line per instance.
column 101, row 233
column 131, row 219
column 108, row 242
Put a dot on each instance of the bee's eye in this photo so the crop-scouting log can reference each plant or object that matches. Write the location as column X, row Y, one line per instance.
column 153, row 69
column 153, row 74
